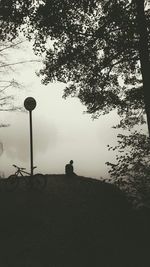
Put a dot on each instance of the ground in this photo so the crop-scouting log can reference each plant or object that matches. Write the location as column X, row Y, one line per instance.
column 73, row 222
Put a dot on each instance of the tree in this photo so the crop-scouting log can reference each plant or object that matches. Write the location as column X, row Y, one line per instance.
column 95, row 45
column 12, row 14
column 7, row 69
column 12, row 18
column 144, row 54
column 131, row 172
column 101, row 49
column 6, row 82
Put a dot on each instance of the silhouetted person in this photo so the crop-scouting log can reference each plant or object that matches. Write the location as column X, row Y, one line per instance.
column 69, row 168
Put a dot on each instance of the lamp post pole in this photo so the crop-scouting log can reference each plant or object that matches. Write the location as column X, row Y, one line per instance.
column 30, row 104
column 31, row 142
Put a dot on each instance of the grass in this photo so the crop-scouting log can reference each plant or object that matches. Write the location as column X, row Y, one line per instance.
column 74, row 222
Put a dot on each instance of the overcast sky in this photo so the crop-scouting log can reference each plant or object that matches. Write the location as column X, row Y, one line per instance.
column 61, row 131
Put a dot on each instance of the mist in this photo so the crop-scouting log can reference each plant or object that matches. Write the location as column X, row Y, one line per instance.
column 61, row 131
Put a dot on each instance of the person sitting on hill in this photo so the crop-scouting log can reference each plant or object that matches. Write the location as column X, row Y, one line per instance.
column 69, row 168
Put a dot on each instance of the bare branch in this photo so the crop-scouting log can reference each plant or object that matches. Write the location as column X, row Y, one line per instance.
column 11, row 46
column 4, row 88
column 20, row 62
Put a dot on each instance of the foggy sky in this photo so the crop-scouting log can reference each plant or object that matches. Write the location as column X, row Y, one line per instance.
column 60, row 129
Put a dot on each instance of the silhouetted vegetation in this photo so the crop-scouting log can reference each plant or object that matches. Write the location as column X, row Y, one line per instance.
column 131, row 172
column 94, row 44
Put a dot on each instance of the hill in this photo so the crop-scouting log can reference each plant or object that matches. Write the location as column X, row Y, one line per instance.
column 74, row 222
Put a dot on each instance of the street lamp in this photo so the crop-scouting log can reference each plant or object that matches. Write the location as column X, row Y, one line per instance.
column 30, row 105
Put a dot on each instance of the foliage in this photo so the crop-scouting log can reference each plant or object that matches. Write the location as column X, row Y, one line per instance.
column 12, row 14
column 95, row 52
column 131, row 172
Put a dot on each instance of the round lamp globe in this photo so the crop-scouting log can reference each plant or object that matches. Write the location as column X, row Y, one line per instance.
column 30, row 103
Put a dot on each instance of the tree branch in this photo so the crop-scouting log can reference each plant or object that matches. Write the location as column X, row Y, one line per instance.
column 10, row 46
column 21, row 62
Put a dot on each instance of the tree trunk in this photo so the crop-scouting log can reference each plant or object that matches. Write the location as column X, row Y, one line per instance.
column 144, row 55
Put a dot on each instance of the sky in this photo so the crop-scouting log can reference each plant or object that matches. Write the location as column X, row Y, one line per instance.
column 61, row 131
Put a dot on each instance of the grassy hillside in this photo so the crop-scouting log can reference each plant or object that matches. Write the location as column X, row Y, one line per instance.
column 74, row 222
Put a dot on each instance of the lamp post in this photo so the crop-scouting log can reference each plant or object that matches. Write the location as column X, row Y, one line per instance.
column 29, row 105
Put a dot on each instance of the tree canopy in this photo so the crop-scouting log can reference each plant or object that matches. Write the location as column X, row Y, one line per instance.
column 12, row 15
column 92, row 46
column 95, row 51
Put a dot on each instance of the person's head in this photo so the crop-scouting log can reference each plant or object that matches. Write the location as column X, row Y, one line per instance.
column 71, row 162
